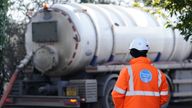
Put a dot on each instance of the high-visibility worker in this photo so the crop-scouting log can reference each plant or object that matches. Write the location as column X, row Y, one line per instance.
column 140, row 85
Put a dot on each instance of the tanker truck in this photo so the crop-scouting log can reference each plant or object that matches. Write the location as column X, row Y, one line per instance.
column 78, row 50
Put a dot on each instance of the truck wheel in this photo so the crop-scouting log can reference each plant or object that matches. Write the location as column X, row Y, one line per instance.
column 169, row 91
column 166, row 104
column 107, row 99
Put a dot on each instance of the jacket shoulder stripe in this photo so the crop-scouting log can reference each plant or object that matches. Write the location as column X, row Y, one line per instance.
column 131, row 84
column 159, row 78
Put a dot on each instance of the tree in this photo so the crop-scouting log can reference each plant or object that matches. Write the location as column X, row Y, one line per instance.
column 16, row 26
column 25, row 9
column 15, row 49
column 3, row 21
column 183, row 10
column 20, row 13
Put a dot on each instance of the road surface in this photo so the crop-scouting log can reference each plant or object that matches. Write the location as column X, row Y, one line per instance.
column 181, row 105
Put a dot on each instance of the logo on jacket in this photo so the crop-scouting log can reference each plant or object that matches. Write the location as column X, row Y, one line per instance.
column 145, row 76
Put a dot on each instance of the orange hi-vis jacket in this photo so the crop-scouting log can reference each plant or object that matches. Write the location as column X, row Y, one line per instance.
column 140, row 85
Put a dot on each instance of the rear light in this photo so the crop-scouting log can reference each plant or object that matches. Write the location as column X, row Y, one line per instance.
column 71, row 102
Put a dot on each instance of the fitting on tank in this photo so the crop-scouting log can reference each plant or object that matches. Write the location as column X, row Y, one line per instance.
column 45, row 58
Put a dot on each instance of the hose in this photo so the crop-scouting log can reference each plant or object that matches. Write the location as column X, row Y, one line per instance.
column 22, row 64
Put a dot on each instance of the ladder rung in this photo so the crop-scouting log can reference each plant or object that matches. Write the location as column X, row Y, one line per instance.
column 181, row 81
column 182, row 94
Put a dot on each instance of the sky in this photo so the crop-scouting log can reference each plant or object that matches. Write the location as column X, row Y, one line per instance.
column 14, row 11
column 17, row 12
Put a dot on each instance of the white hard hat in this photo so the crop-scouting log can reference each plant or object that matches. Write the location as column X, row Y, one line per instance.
column 139, row 44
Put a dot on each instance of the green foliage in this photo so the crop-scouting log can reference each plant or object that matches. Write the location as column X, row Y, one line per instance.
column 16, row 26
column 3, row 21
column 156, row 11
column 183, row 10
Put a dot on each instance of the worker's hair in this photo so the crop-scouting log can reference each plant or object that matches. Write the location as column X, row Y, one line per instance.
column 138, row 53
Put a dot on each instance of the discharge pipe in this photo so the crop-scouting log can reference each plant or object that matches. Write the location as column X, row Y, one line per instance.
column 22, row 64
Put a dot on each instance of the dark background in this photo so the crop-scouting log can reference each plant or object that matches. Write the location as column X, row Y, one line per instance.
column 181, row 105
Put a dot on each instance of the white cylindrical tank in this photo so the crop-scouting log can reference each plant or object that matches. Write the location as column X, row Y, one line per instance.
column 68, row 37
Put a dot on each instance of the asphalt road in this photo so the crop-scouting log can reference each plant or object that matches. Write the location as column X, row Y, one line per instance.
column 171, row 105
column 181, row 105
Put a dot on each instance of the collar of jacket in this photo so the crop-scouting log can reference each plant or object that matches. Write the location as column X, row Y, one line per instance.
column 140, row 60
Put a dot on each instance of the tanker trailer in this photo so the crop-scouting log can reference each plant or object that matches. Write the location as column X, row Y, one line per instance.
column 79, row 49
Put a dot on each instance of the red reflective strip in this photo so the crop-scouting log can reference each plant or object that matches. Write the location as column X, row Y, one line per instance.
column 63, row 13
column 70, row 62
column 69, row 19
column 74, row 54
column 77, row 37
column 74, row 29
column 76, row 46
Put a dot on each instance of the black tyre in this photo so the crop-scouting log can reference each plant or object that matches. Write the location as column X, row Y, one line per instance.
column 167, row 104
column 107, row 101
